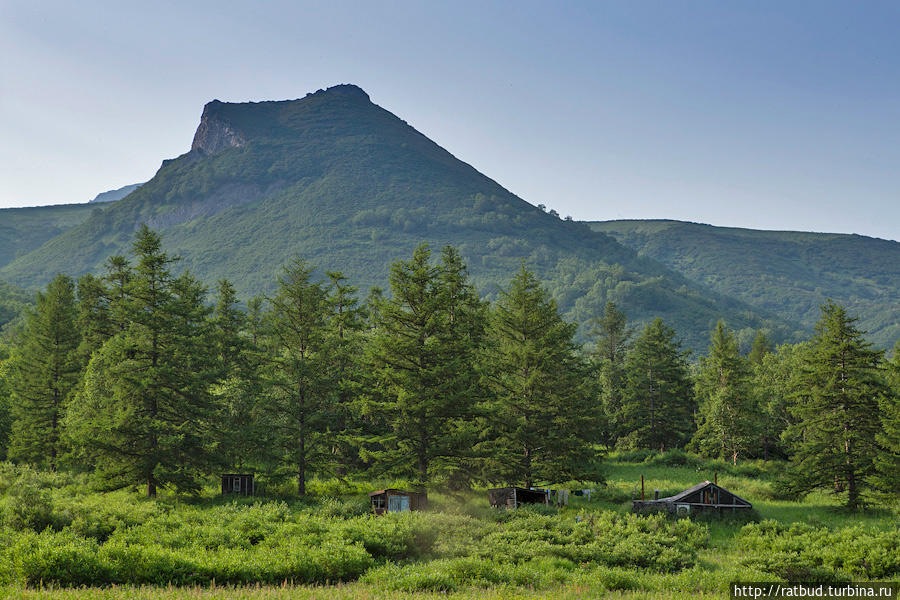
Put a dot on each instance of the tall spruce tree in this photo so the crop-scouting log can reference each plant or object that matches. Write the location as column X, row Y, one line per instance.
column 613, row 340
column 657, row 405
column 241, row 433
column 143, row 414
column 423, row 354
column 299, row 404
column 346, row 320
column 727, row 418
column 836, row 403
column 544, row 421
column 42, row 373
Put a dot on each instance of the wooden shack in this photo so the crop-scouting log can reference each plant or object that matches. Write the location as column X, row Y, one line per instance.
column 703, row 497
column 397, row 501
column 238, row 483
column 513, row 497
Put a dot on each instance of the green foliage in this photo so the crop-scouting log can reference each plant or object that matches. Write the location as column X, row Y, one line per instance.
column 727, row 425
column 42, row 373
column 612, row 337
column 25, row 229
column 299, row 380
column 142, row 413
column 544, row 422
column 425, row 345
column 835, row 440
column 801, row 552
column 783, row 272
column 657, row 403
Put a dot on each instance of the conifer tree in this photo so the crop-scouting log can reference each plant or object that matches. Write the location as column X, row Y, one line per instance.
column 760, row 348
column 346, row 321
column 613, row 339
column 94, row 318
column 43, row 370
column 544, row 421
column 836, row 404
column 301, row 394
column 423, row 353
column 240, row 430
column 727, row 417
column 657, row 406
column 143, row 414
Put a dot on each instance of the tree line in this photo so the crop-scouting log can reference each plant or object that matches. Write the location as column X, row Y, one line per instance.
column 138, row 378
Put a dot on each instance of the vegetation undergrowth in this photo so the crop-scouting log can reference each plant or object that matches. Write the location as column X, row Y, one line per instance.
column 58, row 538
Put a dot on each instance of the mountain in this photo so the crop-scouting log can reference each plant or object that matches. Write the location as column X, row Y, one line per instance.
column 113, row 195
column 349, row 186
column 25, row 229
column 786, row 272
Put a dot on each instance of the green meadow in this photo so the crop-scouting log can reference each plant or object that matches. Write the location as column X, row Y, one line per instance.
column 59, row 539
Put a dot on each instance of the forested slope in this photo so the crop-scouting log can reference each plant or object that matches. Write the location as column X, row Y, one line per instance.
column 787, row 272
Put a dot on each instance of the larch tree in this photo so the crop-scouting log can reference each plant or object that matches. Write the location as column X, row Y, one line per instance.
column 544, row 421
column 298, row 372
column 423, row 356
column 613, row 339
column 143, row 414
column 345, row 324
column 837, row 402
column 42, row 372
column 658, row 404
column 237, row 386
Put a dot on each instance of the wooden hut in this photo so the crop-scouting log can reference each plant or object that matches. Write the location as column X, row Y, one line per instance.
column 513, row 497
column 703, row 497
column 238, row 483
column 397, row 501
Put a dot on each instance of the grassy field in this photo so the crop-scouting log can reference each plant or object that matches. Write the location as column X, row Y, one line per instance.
column 59, row 541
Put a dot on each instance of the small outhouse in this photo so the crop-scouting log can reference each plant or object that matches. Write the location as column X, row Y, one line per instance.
column 238, row 483
column 397, row 501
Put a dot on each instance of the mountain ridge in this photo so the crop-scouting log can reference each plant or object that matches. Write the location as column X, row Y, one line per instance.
column 347, row 185
column 791, row 273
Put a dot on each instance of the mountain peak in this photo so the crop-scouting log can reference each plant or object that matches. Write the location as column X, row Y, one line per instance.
column 347, row 90
column 216, row 132
column 226, row 124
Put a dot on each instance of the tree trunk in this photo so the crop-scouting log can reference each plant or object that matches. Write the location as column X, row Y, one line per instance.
column 151, row 487
column 301, row 465
column 529, row 481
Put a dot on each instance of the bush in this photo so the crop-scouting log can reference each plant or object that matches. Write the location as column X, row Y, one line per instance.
column 61, row 559
column 607, row 539
column 802, row 552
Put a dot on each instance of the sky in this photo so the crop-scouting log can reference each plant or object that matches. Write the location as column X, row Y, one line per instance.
column 764, row 114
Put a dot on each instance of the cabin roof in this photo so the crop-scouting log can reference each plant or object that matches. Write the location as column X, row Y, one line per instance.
column 691, row 490
column 393, row 491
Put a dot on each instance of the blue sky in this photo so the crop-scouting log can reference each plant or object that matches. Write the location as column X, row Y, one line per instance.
column 771, row 115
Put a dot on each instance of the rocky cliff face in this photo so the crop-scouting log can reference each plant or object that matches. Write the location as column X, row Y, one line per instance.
column 215, row 132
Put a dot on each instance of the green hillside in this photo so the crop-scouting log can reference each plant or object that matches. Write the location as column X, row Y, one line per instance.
column 347, row 185
column 25, row 229
column 786, row 272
